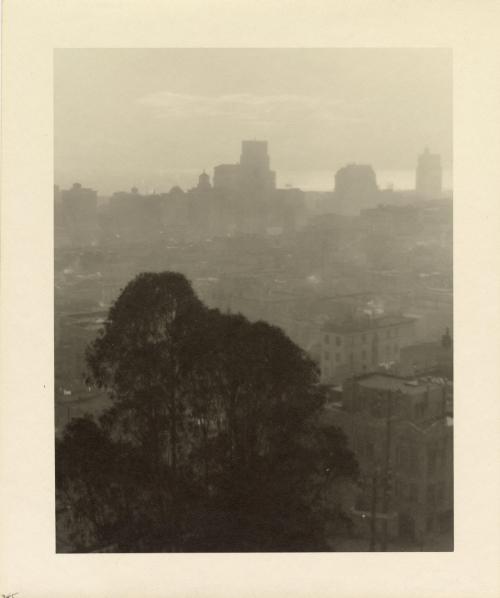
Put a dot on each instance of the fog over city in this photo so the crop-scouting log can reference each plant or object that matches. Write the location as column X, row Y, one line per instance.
column 253, row 300
column 155, row 118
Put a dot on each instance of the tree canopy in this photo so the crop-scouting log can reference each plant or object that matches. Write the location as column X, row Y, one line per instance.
column 210, row 443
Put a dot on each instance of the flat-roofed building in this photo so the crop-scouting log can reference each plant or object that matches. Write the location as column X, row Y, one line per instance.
column 227, row 177
column 403, row 438
column 364, row 345
column 402, row 435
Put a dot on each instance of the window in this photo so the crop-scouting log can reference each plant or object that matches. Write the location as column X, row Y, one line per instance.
column 413, row 492
column 327, row 339
column 337, row 357
column 326, row 355
column 363, row 355
column 363, row 338
column 338, row 340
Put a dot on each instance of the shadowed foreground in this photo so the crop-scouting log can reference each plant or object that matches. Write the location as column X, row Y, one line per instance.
column 210, row 443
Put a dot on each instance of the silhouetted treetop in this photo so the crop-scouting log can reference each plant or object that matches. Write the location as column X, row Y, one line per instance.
column 217, row 414
column 150, row 320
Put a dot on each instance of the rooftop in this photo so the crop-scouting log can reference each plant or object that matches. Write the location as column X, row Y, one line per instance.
column 227, row 166
column 391, row 383
column 363, row 324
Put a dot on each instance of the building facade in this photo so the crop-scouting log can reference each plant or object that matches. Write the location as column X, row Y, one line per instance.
column 356, row 347
column 355, row 188
column 402, row 435
column 429, row 175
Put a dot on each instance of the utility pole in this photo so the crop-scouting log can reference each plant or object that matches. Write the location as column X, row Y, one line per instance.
column 387, row 471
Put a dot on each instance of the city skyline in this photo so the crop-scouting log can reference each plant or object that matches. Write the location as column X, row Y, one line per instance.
column 151, row 118
column 306, row 180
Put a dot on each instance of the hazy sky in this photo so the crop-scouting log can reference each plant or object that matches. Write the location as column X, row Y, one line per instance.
column 140, row 117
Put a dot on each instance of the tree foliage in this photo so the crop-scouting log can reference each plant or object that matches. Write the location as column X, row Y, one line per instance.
column 210, row 443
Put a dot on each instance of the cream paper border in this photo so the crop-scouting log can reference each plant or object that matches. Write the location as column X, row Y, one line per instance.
column 31, row 30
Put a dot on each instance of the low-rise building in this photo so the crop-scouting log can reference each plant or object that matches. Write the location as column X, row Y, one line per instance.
column 428, row 358
column 363, row 345
column 402, row 435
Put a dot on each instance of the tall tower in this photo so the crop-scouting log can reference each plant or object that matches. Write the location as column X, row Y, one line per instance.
column 254, row 155
column 254, row 164
column 429, row 175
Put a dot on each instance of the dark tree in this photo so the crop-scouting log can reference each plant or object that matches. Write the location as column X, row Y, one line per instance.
column 101, row 487
column 142, row 357
column 217, row 417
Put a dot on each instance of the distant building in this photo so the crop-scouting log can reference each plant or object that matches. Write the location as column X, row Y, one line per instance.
column 355, row 188
column 287, row 209
column 402, row 436
column 209, row 210
column 79, row 214
column 256, row 175
column 251, row 178
column 227, row 177
column 135, row 216
column 394, row 220
column 257, row 206
column 432, row 309
column 429, row 175
column 204, row 182
column 318, row 202
column 364, row 345
column 427, row 358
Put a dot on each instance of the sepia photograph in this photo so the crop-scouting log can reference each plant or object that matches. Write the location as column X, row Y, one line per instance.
column 249, row 290
column 253, row 300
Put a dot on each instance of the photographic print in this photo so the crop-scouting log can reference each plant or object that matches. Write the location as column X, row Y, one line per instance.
column 253, row 300
column 248, row 299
